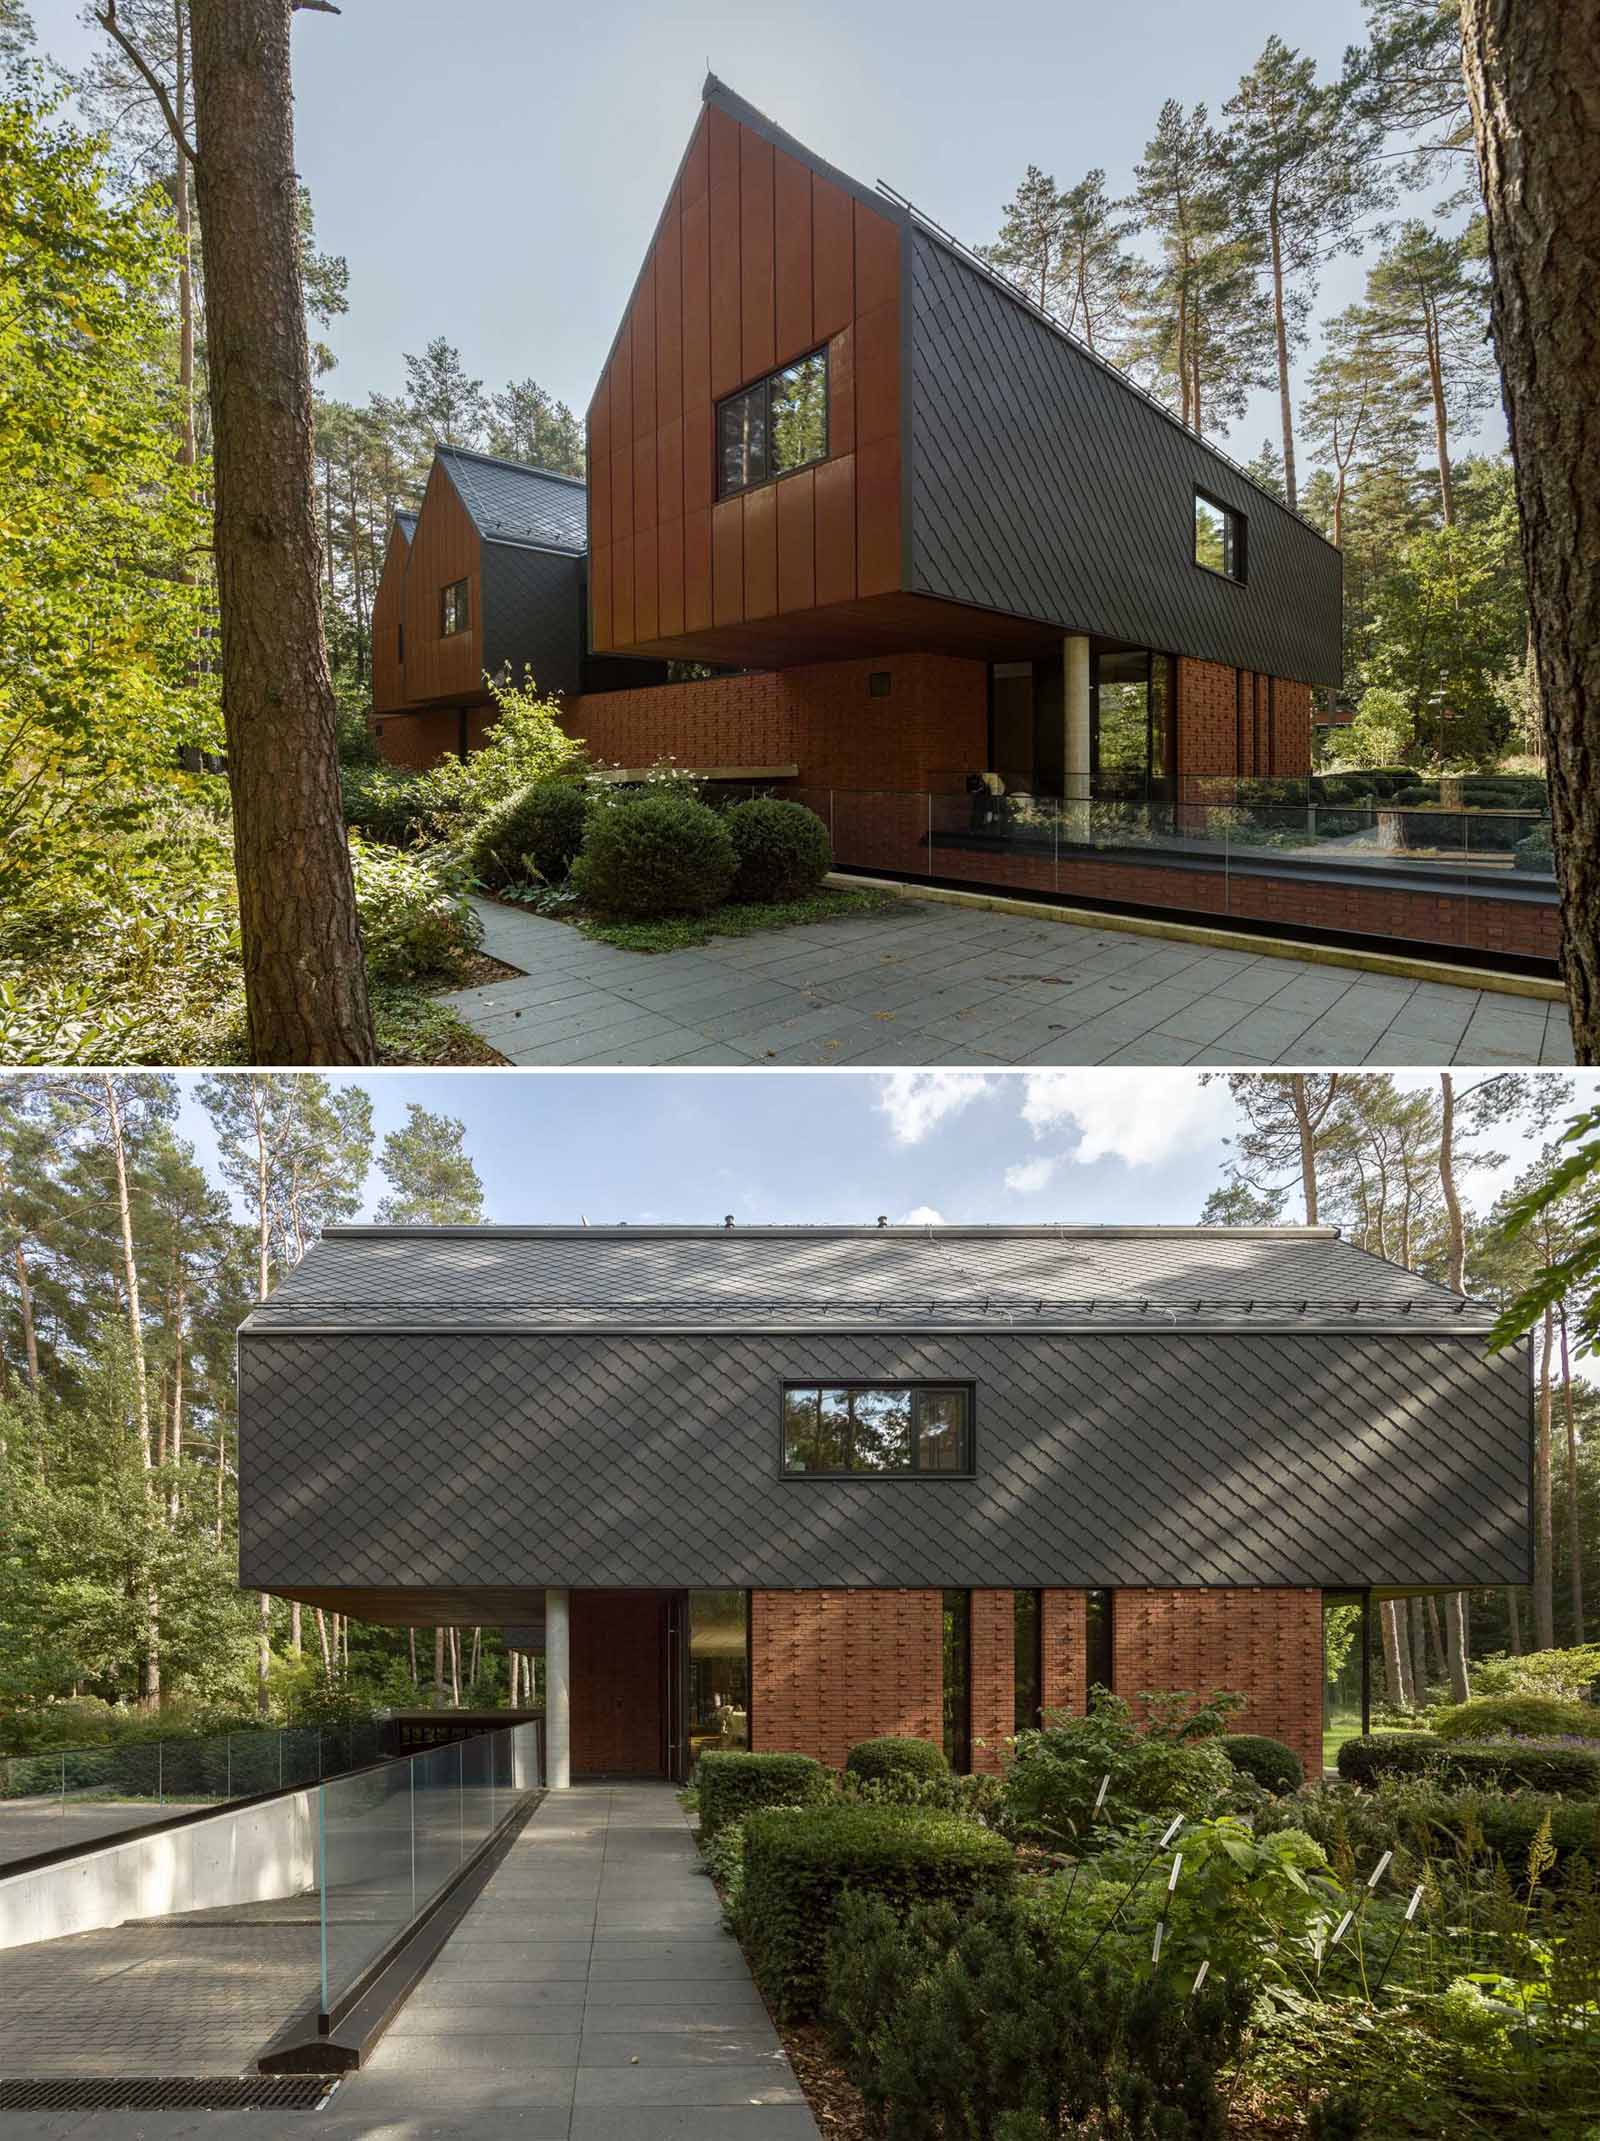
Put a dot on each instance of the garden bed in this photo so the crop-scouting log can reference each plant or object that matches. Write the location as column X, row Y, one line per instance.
column 672, row 933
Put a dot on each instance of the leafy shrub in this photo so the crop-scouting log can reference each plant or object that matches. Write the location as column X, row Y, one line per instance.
column 1536, row 851
column 1529, row 1716
column 972, row 1798
column 385, row 803
column 724, row 1859
column 655, row 855
column 1054, row 1777
column 731, row 1785
column 1455, row 1764
column 535, row 833
column 891, row 1758
column 799, row 1864
column 417, row 923
column 1566, row 1674
column 526, row 743
column 1273, row 1766
column 782, row 849
column 985, row 2026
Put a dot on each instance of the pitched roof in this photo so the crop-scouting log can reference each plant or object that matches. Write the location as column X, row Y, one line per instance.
column 406, row 523
column 765, row 1278
column 512, row 503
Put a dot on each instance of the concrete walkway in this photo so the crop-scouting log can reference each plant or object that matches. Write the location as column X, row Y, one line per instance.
column 590, row 1994
column 933, row 984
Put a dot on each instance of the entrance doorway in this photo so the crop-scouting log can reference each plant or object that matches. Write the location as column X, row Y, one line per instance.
column 657, row 1677
column 707, row 1673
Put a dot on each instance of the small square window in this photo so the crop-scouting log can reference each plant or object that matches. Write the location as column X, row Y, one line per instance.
column 453, row 610
column 1219, row 537
column 878, row 684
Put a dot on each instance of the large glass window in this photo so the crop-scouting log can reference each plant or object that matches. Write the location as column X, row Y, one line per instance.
column 1027, row 1660
column 1133, row 739
column 1219, row 537
column 453, row 609
column 779, row 424
column 958, row 1680
column 1345, row 1698
column 719, row 1672
column 846, row 1428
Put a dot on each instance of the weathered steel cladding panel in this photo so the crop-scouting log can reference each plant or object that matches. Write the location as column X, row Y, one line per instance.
column 1044, row 486
column 448, row 1459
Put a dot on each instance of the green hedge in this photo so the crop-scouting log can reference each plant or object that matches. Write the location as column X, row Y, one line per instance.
column 650, row 855
column 1275, row 1767
column 798, row 1864
column 1510, row 1825
column 1457, row 1764
column 782, row 849
column 891, row 1758
column 534, row 834
column 732, row 1785
column 1529, row 1716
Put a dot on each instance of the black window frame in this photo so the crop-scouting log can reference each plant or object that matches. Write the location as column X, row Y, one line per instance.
column 1027, row 1660
column 765, row 387
column 447, row 630
column 1158, row 783
column 955, row 1679
column 1233, row 518
column 917, row 1387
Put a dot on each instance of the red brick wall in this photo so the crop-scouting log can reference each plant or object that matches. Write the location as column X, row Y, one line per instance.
column 930, row 731
column 991, row 1677
column 828, row 1668
column 1063, row 1677
column 418, row 741
column 1266, row 1645
column 1275, row 730
column 1207, row 718
column 616, row 1676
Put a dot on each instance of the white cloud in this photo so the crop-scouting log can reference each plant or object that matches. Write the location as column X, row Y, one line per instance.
column 1029, row 1176
column 1141, row 1117
column 922, row 1215
column 917, row 1101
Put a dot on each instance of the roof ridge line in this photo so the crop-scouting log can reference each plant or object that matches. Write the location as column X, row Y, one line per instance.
column 501, row 460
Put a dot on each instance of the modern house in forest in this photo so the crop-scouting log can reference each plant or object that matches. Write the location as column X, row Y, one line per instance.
column 790, row 1487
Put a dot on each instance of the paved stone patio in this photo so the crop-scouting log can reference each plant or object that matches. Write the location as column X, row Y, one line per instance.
column 590, row 1994
column 934, row 984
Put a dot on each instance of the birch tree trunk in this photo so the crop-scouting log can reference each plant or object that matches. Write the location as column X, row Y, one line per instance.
column 1530, row 75
column 305, row 980
column 1544, row 1628
column 1574, row 1530
column 1395, row 1661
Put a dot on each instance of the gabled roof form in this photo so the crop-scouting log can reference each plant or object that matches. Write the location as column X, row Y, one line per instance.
column 406, row 523
column 1156, row 1279
column 512, row 503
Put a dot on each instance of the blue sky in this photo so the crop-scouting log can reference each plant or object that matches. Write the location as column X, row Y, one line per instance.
column 554, row 1146
column 493, row 171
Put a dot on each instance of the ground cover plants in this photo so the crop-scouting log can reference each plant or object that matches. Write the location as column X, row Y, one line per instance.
column 1145, row 1928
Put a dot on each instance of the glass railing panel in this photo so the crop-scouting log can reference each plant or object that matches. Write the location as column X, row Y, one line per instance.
column 478, row 1763
column 364, row 1875
column 437, row 1796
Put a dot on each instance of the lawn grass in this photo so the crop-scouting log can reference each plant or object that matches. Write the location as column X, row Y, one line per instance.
column 672, row 933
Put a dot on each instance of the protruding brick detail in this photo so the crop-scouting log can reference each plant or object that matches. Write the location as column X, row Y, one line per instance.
column 1063, row 1650
column 929, row 732
column 992, row 1673
column 828, row 1668
column 1266, row 1645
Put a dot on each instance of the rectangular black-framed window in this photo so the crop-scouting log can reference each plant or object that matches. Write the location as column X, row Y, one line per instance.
column 453, row 609
column 1132, row 738
column 958, row 1680
column 1027, row 1660
column 891, row 1430
column 773, row 427
column 1219, row 537
column 1097, row 1646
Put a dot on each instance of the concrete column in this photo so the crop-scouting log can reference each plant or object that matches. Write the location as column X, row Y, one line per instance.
column 1076, row 755
column 557, row 1692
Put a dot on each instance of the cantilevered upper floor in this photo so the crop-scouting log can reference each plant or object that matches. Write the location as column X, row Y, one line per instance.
column 827, row 429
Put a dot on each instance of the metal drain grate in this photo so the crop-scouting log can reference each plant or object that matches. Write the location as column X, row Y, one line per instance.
column 248, row 2092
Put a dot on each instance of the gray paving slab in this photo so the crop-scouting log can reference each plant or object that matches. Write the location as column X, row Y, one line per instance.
column 927, row 983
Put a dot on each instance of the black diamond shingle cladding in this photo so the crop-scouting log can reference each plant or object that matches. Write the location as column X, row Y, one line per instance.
column 1142, row 1417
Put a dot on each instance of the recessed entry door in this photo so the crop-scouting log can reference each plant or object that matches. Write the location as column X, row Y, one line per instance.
column 618, row 1687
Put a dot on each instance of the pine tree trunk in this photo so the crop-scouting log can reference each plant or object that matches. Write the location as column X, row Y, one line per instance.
column 294, row 1628
column 141, row 1388
column 1281, row 332
column 30, row 1337
column 411, row 1641
column 438, row 1667
column 1457, row 1235
column 185, row 221
column 1395, row 1661
column 1530, row 76
column 263, row 1652
column 1514, row 1619
column 1544, row 1632
column 1441, row 427
column 1455, row 1621
column 1437, row 1652
column 1308, row 1145
column 305, row 981
column 1417, row 1628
